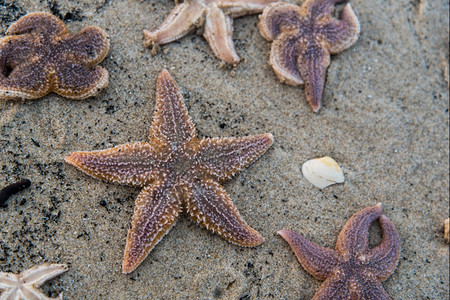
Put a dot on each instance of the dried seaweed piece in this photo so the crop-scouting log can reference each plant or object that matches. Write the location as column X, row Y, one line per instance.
column 352, row 270
column 39, row 55
column 303, row 39
column 13, row 188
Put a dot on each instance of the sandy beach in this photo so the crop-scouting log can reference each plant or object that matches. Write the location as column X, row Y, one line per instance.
column 384, row 119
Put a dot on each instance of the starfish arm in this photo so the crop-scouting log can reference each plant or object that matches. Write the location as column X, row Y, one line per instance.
column 315, row 8
column 8, row 281
column 171, row 125
column 181, row 20
column 343, row 33
column 222, row 158
column 238, row 8
column 208, row 204
column 14, row 50
column 90, row 45
column 40, row 274
column 383, row 259
column 313, row 64
column 283, row 58
column 218, row 33
column 334, row 287
column 29, row 292
column 279, row 17
column 10, row 294
column 28, row 80
column 318, row 261
column 354, row 236
column 156, row 210
column 371, row 289
column 78, row 81
column 38, row 22
column 134, row 164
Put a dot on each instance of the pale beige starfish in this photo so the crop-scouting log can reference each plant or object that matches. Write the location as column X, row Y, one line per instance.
column 217, row 17
column 23, row 286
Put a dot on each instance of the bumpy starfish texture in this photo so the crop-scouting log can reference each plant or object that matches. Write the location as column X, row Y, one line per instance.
column 217, row 18
column 40, row 55
column 24, row 285
column 303, row 39
column 352, row 271
column 178, row 172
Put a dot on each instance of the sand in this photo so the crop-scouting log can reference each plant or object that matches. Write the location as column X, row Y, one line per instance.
column 385, row 121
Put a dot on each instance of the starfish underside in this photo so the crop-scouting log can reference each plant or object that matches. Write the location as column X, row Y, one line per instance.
column 352, row 271
column 178, row 172
column 303, row 39
column 217, row 18
column 24, row 285
column 40, row 56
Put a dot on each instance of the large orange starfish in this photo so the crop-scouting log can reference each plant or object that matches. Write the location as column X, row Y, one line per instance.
column 40, row 55
column 178, row 172
column 352, row 271
column 216, row 15
column 303, row 39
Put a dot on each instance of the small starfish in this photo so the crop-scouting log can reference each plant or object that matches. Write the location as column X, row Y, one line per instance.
column 40, row 56
column 216, row 15
column 178, row 172
column 352, row 271
column 23, row 286
column 303, row 39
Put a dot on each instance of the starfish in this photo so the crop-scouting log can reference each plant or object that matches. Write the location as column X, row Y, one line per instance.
column 217, row 18
column 352, row 271
column 39, row 55
column 23, row 286
column 178, row 172
column 303, row 39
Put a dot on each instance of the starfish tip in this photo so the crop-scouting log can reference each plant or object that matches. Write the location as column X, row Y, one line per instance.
column 71, row 158
column 164, row 76
column 128, row 266
column 316, row 107
column 147, row 34
column 383, row 218
column 149, row 39
column 260, row 240
column 284, row 233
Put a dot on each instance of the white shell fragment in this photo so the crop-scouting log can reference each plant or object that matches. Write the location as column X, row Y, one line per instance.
column 322, row 172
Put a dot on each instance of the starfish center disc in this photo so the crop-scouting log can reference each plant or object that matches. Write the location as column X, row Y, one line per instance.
column 181, row 166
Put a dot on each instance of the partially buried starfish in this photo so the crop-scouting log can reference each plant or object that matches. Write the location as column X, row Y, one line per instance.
column 352, row 271
column 23, row 286
column 40, row 55
column 178, row 172
column 217, row 18
column 303, row 39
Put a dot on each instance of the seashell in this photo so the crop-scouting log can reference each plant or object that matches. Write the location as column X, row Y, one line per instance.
column 322, row 172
